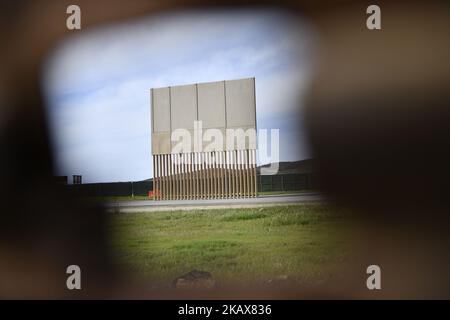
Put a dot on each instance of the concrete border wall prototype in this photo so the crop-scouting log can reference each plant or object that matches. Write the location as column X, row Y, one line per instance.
column 204, row 140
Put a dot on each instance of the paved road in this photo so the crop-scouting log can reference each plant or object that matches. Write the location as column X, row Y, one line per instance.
column 263, row 201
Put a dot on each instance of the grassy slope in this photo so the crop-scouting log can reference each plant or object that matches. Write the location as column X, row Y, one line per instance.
column 303, row 242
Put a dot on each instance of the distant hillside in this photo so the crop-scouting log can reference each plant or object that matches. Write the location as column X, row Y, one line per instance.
column 301, row 166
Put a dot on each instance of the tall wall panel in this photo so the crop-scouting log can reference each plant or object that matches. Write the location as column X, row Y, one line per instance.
column 211, row 104
column 183, row 104
column 226, row 169
column 240, row 99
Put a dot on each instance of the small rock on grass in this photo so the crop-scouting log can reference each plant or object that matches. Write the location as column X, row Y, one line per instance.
column 194, row 279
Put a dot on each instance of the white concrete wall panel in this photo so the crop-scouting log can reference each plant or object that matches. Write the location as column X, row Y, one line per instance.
column 183, row 100
column 161, row 143
column 161, row 110
column 240, row 103
column 211, row 104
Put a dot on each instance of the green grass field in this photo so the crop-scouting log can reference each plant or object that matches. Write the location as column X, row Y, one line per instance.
column 303, row 243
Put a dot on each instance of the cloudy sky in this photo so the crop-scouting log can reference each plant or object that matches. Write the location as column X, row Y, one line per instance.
column 97, row 83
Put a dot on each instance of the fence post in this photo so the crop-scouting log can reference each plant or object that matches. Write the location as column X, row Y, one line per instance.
column 307, row 181
column 132, row 189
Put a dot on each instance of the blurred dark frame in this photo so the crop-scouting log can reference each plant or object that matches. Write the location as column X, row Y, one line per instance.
column 381, row 140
